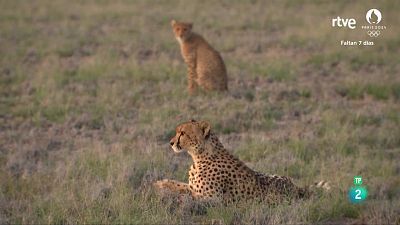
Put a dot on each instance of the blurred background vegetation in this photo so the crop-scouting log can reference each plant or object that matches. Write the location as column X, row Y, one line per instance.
column 91, row 92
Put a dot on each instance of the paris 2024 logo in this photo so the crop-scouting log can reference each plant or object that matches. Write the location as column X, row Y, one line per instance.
column 374, row 18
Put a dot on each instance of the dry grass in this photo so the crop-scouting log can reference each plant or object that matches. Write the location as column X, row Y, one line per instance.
column 91, row 91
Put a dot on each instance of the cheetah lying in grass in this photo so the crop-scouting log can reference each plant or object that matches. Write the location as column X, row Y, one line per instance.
column 217, row 175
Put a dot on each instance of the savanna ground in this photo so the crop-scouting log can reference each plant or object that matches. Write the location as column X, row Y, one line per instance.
column 91, row 91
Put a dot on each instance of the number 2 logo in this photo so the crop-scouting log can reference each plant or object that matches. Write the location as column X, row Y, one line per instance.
column 358, row 195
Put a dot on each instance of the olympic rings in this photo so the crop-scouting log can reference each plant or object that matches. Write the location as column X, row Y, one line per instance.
column 373, row 33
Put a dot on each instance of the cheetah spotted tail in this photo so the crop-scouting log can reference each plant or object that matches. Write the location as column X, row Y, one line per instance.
column 324, row 185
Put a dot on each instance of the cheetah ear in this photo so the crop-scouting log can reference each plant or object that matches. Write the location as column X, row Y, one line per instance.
column 205, row 126
column 192, row 120
column 173, row 22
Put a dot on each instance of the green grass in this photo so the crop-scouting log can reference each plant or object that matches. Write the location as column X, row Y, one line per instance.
column 377, row 91
column 396, row 91
column 278, row 72
column 91, row 92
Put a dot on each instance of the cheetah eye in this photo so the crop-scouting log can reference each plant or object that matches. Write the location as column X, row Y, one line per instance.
column 182, row 133
column 184, row 29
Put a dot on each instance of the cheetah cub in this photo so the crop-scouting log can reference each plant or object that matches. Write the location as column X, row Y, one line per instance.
column 205, row 65
column 218, row 175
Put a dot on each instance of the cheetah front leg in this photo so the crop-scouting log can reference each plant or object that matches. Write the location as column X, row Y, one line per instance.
column 177, row 187
column 191, row 73
column 174, row 186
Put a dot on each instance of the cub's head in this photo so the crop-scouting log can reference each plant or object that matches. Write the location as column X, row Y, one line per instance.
column 191, row 137
column 181, row 30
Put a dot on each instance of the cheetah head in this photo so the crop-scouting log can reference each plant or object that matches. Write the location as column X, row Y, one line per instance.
column 191, row 137
column 181, row 30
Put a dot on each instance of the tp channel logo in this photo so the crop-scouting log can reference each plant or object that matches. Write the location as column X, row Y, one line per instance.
column 357, row 193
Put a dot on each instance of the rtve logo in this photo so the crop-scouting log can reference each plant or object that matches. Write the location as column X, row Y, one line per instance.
column 341, row 22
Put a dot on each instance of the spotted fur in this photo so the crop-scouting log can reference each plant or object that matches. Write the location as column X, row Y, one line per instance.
column 205, row 65
column 217, row 174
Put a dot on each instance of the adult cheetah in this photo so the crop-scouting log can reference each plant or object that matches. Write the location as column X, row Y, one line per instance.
column 218, row 175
